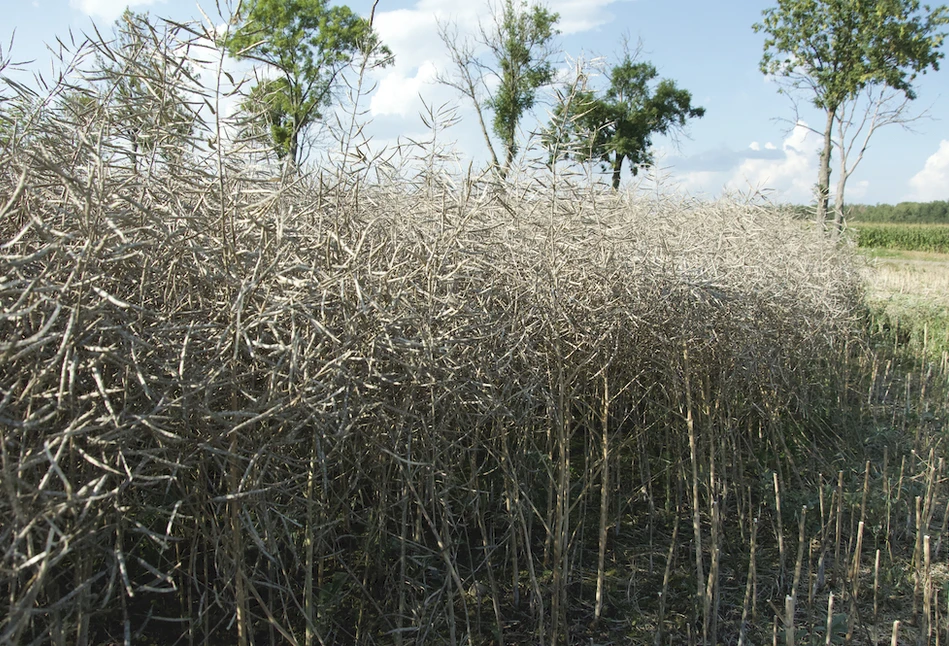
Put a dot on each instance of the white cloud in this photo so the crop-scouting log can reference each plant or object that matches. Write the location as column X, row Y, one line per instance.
column 400, row 95
column 787, row 174
column 857, row 190
column 580, row 15
column 412, row 35
column 932, row 182
column 791, row 177
column 420, row 54
column 106, row 9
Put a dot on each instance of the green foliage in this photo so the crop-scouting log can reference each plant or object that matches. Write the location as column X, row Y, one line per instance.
column 521, row 45
column 905, row 212
column 907, row 237
column 835, row 49
column 144, row 71
column 619, row 125
column 309, row 44
column 909, row 327
column 268, row 115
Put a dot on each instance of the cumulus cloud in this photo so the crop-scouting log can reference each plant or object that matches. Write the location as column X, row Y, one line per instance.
column 787, row 173
column 399, row 94
column 412, row 35
column 107, row 9
column 932, row 182
column 790, row 174
column 581, row 15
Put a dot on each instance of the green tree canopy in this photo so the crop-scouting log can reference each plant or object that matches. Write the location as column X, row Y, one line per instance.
column 505, row 80
column 936, row 212
column 309, row 44
column 619, row 124
column 835, row 49
column 145, row 75
column 521, row 45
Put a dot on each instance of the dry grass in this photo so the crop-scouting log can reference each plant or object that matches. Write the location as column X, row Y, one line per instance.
column 242, row 407
column 909, row 295
column 908, row 276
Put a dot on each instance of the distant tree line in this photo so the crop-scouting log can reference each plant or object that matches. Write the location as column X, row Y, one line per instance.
column 936, row 212
column 905, row 212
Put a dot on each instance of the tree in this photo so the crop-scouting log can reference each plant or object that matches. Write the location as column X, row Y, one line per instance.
column 134, row 95
column 857, row 120
column 520, row 45
column 309, row 44
column 834, row 50
column 265, row 117
column 12, row 106
column 145, row 74
column 620, row 124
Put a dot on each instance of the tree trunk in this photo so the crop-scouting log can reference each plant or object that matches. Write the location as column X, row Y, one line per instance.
column 509, row 157
column 617, row 169
column 823, row 175
column 487, row 139
column 472, row 94
column 839, row 197
column 294, row 152
column 604, row 500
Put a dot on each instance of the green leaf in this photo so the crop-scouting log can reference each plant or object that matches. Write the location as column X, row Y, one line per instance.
column 620, row 124
column 308, row 43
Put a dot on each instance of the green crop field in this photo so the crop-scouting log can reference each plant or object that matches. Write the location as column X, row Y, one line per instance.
column 908, row 237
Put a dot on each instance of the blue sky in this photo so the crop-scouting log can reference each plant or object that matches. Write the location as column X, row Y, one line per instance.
column 746, row 141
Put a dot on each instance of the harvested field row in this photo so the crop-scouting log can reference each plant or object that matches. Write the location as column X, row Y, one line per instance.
column 197, row 428
column 240, row 406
